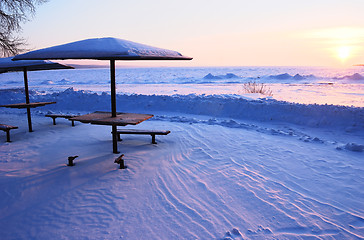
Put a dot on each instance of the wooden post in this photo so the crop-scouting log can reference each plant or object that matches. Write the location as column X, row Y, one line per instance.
column 8, row 135
column 27, row 99
column 120, row 161
column 113, row 105
column 54, row 120
column 113, row 88
column 70, row 160
column 153, row 139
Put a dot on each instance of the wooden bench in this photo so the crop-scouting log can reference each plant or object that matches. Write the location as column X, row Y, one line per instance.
column 142, row 132
column 66, row 116
column 7, row 128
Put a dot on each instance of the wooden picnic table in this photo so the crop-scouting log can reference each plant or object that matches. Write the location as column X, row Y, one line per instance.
column 28, row 106
column 105, row 118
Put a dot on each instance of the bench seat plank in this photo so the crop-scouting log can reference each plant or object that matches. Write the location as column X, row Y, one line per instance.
column 66, row 116
column 142, row 132
column 145, row 132
column 4, row 127
column 61, row 115
column 7, row 128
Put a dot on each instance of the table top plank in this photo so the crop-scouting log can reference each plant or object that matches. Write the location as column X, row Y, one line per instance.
column 27, row 105
column 121, row 119
column 91, row 116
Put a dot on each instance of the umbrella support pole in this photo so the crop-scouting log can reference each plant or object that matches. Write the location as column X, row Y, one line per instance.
column 113, row 106
column 27, row 99
column 113, row 88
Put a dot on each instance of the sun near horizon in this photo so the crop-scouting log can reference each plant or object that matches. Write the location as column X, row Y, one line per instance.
column 344, row 43
column 343, row 53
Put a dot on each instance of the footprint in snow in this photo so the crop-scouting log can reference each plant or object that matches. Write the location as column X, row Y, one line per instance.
column 233, row 234
column 260, row 230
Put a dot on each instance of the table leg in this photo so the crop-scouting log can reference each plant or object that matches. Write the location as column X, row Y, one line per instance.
column 8, row 136
column 29, row 120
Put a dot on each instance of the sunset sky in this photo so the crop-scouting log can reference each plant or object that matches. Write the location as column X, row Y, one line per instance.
column 214, row 32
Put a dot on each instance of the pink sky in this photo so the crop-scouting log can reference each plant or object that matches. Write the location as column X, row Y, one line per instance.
column 214, row 33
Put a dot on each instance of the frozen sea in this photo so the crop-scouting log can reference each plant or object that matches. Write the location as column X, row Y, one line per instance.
column 308, row 85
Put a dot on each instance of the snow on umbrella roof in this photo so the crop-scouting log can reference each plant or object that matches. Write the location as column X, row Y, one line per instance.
column 103, row 49
column 7, row 65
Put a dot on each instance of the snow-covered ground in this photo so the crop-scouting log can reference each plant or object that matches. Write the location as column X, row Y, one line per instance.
column 235, row 166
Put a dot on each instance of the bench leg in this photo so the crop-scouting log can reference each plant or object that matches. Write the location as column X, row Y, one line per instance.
column 8, row 136
column 122, row 165
column 70, row 162
column 119, row 138
column 73, row 123
column 153, row 139
column 54, row 120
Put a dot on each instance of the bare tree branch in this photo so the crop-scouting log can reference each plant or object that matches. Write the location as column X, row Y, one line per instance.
column 12, row 14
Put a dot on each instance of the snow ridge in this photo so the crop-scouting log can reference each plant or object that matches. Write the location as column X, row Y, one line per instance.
column 226, row 106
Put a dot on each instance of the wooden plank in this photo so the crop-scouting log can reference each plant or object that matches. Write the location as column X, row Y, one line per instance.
column 144, row 132
column 87, row 118
column 5, row 127
column 121, row 119
column 153, row 133
column 27, row 105
column 66, row 116
column 60, row 115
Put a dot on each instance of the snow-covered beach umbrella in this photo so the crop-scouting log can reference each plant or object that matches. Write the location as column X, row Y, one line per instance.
column 111, row 49
column 7, row 65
